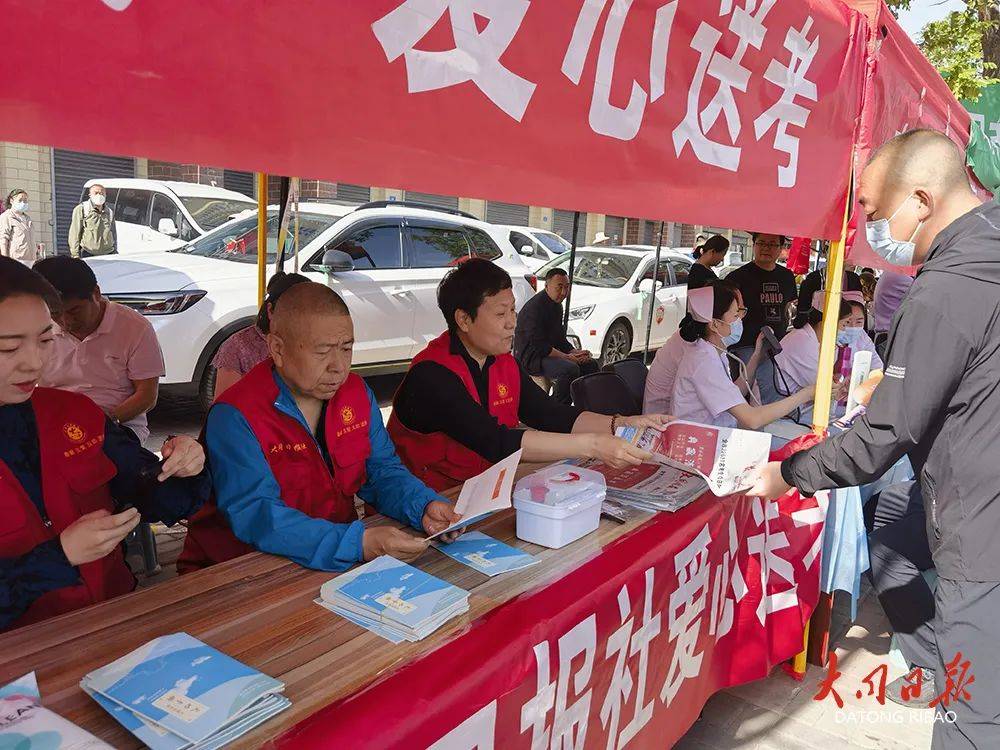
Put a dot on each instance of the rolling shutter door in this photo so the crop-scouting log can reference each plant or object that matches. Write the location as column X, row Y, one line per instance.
column 432, row 199
column 506, row 213
column 70, row 170
column 614, row 227
column 355, row 193
column 241, row 182
column 562, row 224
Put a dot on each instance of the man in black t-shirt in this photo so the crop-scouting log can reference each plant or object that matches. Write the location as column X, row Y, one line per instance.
column 767, row 288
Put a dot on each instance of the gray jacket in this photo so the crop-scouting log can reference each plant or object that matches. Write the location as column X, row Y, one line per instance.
column 939, row 402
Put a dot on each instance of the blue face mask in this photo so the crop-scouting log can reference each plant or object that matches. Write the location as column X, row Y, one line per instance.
column 896, row 252
column 735, row 333
column 848, row 337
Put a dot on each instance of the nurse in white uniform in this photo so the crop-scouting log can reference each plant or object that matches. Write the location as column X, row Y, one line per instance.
column 704, row 392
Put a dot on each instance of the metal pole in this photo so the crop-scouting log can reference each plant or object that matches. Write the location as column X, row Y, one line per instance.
column 652, row 299
column 261, row 237
column 572, row 268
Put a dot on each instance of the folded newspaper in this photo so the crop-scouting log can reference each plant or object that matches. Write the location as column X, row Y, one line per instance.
column 649, row 487
column 726, row 459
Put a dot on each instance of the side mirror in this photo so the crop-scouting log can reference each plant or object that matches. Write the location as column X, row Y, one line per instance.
column 646, row 286
column 336, row 261
column 526, row 250
column 167, row 227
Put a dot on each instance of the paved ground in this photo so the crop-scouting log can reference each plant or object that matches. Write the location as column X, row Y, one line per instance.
column 773, row 714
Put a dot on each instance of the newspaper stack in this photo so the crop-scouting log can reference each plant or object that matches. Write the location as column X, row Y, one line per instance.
column 176, row 693
column 393, row 599
column 648, row 487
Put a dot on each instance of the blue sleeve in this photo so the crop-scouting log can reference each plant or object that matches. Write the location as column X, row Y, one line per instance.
column 248, row 496
column 390, row 486
column 135, row 482
column 26, row 578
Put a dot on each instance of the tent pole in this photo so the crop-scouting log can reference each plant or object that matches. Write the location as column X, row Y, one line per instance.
column 572, row 269
column 652, row 298
column 831, row 313
column 261, row 237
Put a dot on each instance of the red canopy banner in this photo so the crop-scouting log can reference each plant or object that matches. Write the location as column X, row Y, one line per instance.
column 903, row 91
column 733, row 112
column 625, row 650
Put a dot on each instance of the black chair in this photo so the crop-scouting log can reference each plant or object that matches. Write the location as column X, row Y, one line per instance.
column 604, row 393
column 633, row 372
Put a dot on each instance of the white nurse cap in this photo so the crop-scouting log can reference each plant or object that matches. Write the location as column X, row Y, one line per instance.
column 700, row 303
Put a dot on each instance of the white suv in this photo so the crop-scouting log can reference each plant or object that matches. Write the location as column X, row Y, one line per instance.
column 156, row 215
column 385, row 259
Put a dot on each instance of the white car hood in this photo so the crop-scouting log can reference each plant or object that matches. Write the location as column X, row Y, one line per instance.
column 594, row 295
column 164, row 272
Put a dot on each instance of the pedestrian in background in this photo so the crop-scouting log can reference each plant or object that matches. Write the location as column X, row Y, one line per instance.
column 17, row 232
column 92, row 229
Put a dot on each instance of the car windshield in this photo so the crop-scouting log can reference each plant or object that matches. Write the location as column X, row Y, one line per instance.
column 593, row 268
column 212, row 213
column 552, row 242
column 237, row 240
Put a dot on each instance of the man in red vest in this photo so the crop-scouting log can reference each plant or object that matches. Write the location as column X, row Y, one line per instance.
column 67, row 472
column 294, row 441
column 459, row 408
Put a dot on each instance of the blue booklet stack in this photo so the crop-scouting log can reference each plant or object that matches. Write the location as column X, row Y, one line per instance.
column 393, row 599
column 176, row 693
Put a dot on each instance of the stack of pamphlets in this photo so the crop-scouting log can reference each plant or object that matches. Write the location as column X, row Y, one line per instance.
column 25, row 724
column 485, row 554
column 649, row 487
column 176, row 693
column 393, row 599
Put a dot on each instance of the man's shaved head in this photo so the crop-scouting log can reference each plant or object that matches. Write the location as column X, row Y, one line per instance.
column 312, row 340
column 303, row 302
column 921, row 158
column 918, row 183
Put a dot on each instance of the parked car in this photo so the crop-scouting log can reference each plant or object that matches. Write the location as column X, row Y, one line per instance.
column 536, row 246
column 156, row 215
column 610, row 298
column 385, row 259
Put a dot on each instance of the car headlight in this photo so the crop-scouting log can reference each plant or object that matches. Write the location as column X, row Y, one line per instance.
column 159, row 303
column 581, row 313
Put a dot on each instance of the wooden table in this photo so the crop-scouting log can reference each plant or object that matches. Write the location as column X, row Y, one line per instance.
column 259, row 609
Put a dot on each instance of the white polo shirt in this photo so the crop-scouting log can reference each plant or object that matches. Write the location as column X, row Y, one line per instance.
column 703, row 391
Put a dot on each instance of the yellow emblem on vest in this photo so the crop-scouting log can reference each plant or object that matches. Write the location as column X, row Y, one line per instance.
column 502, row 390
column 347, row 415
column 74, row 432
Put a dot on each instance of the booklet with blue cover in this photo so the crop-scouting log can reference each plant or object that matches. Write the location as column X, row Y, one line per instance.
column 485, row 554
column 25, row 724
column 393, row 599
column 178, row 689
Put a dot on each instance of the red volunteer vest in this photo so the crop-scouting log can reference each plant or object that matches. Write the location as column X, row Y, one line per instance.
column 75, row 476
column 436, row 459
column 295, row 460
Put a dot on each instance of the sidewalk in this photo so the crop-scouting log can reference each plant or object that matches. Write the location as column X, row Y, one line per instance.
column 780, row 714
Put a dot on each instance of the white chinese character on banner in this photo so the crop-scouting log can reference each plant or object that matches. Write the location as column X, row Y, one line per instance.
column 478, row 732
column 766, row 546
column 626, row 645
column 747, row 23
column 687, row 603
column 569, row 724
column 606, row 118
column 728, row 579
column 785, row 112
column 476, row 56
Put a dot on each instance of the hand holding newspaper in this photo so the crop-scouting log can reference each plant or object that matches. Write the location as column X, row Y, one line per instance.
column 726, row 459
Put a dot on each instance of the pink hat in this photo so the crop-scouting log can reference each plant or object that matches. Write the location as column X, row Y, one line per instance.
column 700, row 303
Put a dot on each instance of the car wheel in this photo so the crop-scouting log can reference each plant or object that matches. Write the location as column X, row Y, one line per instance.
column 617, row 344
column 206, row 388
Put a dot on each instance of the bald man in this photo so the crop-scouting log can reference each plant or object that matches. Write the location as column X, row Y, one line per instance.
column 294, row 441
column 940, row 404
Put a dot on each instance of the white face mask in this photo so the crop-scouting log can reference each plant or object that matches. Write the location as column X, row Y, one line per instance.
column 896, row 252
column 20, row 206
column 98, row 200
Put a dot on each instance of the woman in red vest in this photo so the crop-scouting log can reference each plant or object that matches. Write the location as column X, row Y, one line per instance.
column 459, row 408
column 67, row 471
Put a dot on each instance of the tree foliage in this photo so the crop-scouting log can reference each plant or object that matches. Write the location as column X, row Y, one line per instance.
column 964, row 46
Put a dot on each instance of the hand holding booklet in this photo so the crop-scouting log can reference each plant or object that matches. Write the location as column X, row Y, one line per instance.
column 485, row 494
column 726, row 459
